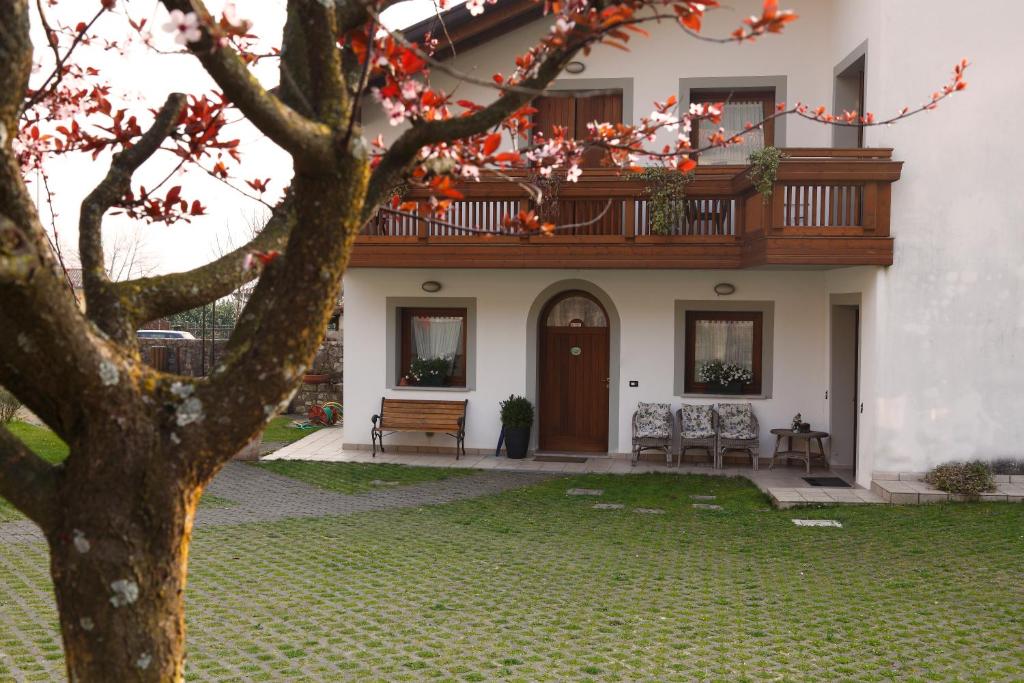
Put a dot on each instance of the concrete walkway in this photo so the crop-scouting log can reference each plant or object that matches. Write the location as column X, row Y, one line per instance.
column 262, row 496
column 784, row 485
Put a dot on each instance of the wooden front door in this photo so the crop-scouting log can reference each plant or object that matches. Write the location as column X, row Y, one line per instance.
column 574, row 374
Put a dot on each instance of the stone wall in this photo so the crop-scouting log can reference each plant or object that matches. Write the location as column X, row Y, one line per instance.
column 184, row 356
column 328, row 362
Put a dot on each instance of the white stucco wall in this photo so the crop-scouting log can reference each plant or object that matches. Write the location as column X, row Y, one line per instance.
column 949, row 327
column 644, row 302
column 657, row 63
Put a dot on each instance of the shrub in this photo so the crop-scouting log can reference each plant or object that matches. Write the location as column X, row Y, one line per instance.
column 964, row 478
column 516, row 412
column 9, row 406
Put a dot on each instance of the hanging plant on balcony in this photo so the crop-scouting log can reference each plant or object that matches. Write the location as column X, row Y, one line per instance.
column 666, row 197
column 764, row 169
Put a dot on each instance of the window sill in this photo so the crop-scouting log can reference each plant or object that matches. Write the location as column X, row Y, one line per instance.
column 752, row 397
column 415, row 388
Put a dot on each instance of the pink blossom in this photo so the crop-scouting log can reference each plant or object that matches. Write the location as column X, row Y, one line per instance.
column 186, row 26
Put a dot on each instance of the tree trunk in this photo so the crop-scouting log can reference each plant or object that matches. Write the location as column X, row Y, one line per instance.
column 119, row 561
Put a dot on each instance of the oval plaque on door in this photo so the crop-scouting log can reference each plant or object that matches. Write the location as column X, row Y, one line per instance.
column 575, row 350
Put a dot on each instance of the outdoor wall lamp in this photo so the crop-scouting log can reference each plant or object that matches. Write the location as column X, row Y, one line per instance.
column 724, row 289
column 431, row 286
column 575, row 67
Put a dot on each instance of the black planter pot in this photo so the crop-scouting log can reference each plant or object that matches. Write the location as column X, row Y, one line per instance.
column 730, row 388
column 517, row 441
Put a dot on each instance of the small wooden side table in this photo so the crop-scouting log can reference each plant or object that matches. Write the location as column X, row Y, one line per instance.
column 805, row 454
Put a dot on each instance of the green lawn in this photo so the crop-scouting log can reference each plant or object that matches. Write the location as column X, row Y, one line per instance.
column 351, row 477
column 50, row 447
column 280, row 431
column 534, row 585
column 45, row 443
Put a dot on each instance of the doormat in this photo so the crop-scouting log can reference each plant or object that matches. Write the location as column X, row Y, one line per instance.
column 832, row 482
column 559, row 458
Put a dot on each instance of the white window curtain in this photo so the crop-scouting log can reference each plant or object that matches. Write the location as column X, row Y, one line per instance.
column 730, row 341
column 735, row 118
column 436, row 337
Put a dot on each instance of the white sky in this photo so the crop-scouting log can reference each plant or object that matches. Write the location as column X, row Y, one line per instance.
column 145, row 78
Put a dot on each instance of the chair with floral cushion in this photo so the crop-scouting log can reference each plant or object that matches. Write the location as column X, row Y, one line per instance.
column 738, row 430
column 652, row 429
column 697, row 430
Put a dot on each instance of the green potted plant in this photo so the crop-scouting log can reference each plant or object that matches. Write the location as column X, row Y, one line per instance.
column 725, row 378
column 516, row 419
column 429, row 372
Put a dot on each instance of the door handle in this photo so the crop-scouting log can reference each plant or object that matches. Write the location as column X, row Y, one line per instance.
column 607, row 382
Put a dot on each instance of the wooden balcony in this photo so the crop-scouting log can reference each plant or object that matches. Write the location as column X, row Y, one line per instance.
column 829, row 208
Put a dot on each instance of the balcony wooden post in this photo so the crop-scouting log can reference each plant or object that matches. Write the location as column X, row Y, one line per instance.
column 883, row 208
column 629, row 220
column 869, row 207
column 740, row 218
column 776, row 217
column 423, row 225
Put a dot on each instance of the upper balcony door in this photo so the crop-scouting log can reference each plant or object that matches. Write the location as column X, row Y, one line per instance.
column 849, row 96
column 574, row 111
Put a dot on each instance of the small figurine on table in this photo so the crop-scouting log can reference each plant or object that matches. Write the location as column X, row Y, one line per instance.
column 797, row 421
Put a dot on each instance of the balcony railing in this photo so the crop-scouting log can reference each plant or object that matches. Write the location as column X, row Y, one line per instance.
column 829, row 207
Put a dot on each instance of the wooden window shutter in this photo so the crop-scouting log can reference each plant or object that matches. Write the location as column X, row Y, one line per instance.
column 575, row 112
column 606, row 107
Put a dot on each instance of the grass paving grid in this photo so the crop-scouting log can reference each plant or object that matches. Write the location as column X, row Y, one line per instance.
column 533, row 585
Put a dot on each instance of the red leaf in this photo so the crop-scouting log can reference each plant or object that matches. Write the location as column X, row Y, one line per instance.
column 491, row 144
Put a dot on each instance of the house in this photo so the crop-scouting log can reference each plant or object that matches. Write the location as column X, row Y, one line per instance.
column 74, row 279
column 878, row 291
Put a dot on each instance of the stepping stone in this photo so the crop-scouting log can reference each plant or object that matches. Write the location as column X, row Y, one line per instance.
column 705, row 506
column 608, row 506
column 702, row 497
column 817, row 522
column 584, row 492
column 381, row 482
column 649, row 511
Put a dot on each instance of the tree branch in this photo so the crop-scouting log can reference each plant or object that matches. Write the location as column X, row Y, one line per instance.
column 16, row 57
column 330, row 96
column 292, row 304
column 157, row 297
column 310, row 143
column 102, row 307
column 28, row 481
column 403, row 152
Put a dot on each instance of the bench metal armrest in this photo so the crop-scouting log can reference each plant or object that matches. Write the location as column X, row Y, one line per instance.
column 374, row 419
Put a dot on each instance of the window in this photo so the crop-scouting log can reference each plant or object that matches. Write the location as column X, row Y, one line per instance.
column 433, row 347
column 576, row 311
column 741, row 107
column 732, row 337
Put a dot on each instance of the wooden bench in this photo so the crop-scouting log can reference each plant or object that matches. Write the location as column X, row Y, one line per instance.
column 407, row 415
